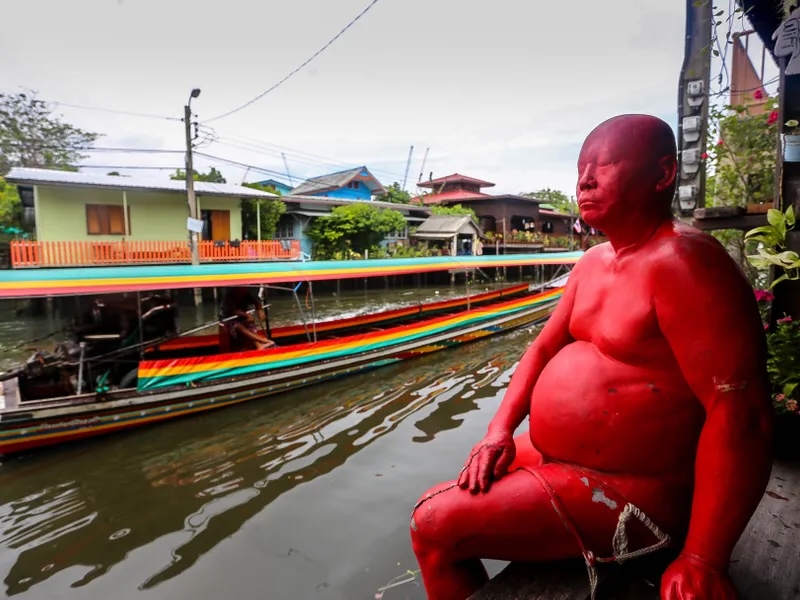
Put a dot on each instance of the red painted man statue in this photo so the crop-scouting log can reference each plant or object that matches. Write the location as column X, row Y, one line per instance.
column 650, row 418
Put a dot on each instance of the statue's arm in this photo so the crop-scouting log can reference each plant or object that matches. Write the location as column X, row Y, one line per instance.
column 708, row 314
column 553, row 336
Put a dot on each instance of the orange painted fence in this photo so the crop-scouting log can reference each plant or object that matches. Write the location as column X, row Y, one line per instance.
column 25, row 254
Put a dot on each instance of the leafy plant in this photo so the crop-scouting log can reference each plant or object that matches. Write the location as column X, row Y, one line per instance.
column 783, row 364
column 269, row 210
column 457, row 209
column 355, row 228
column 560, row 202
column 772, row 246
column 395, row 194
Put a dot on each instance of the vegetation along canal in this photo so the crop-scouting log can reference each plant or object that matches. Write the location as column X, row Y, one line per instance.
column 305, row 495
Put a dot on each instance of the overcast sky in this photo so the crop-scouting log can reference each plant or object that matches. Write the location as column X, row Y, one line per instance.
column 504, row 90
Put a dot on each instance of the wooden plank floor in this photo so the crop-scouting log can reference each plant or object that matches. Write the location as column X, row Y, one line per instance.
column 765, row 564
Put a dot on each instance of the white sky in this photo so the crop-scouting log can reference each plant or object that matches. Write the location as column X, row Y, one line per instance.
column 504, row 91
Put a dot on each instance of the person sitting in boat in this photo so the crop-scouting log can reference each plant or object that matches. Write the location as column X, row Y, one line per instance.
column 242, row 330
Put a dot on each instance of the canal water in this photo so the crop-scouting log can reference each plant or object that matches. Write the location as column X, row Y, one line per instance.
column 301, row 496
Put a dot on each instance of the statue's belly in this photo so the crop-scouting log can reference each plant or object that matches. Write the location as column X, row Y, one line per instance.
column 592, row 410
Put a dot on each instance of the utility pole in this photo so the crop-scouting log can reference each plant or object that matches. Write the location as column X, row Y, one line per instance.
column 190, row 195
column 693, row 99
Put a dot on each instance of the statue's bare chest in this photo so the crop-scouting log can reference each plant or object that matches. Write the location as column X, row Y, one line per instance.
column 614, row 310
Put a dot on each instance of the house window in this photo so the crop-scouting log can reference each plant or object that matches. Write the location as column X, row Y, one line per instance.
column 285, row 229
column 106, row 219
column 353, row 185
column 400, row 235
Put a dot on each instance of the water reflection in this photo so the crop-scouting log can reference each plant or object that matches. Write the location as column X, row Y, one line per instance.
column 179, row 490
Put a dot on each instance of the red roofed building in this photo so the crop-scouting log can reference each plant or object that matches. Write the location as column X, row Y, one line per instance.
column 503, row 216
column 496, row 213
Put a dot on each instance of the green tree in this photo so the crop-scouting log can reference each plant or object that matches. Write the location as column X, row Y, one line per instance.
column 269, row 209
column 213, row 176
column 355, row 227
column 10, row 207
column 438, row 209
column 557, row 199
column 30, row 136
column 395, row 194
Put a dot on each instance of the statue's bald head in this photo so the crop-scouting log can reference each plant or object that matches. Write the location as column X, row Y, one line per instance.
column 645, row 136
column 627, row 165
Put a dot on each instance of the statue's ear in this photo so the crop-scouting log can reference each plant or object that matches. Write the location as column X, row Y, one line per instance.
column 667, row 171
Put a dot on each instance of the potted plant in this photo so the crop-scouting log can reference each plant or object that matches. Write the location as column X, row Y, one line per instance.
column 791, row 141
column 783, row 340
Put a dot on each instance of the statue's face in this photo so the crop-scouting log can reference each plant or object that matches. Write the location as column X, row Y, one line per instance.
column 617, row 174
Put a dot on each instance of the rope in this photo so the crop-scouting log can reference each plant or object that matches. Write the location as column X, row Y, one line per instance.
column 620, row 540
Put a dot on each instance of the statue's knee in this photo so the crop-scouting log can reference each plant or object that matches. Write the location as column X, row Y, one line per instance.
column 432, row 519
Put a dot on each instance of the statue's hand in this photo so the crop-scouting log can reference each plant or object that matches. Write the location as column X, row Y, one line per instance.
column 688, row 578
column 489, row 460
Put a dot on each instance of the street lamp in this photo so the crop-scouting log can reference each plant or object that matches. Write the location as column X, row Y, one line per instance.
column 190, row 196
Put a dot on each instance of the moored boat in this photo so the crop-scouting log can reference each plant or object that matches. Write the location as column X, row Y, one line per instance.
column 180, row 376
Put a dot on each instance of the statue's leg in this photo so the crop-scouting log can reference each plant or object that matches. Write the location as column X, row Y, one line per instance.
column 516, row 520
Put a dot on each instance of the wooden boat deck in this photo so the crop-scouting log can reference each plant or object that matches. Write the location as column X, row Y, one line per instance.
column 764, row 564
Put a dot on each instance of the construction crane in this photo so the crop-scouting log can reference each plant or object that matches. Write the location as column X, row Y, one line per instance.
column 408, row 165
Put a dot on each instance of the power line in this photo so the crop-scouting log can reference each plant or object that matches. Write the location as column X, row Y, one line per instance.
column 119, row 112
column 126, row 167
column 241, row 164
column 313, row 56
column 315, row 162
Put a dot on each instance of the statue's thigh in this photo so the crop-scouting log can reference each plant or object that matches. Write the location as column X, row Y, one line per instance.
column 514, row 521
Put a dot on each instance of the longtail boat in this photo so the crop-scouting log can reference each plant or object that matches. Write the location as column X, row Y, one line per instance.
column 68, row 395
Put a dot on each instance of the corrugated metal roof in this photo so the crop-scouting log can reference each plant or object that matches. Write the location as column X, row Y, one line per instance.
column 444, row 225
column 308, row 213
column 452, row 196
column 54, row 177
column 334, row 181
column 454, row 178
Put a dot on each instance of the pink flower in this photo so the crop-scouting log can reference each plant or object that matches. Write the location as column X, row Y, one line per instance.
column 764, row 296
column 704, row 155
column 758, row 95
column 791, row 405
column 785, row 320
column 773, row 117
column 721, row 143
column 780, row 398
column 766, row 326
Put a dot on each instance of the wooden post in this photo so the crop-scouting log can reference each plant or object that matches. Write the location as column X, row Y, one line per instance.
column 125, row 212
column 258, row 219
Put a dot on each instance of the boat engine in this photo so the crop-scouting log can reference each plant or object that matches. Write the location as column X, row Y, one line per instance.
column 47, row 374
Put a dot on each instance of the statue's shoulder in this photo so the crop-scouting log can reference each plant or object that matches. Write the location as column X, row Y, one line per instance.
column 682, row 247
column 597, row 253
column 680, row 242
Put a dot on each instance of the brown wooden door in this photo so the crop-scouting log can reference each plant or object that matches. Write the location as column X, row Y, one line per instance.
column 220, row 225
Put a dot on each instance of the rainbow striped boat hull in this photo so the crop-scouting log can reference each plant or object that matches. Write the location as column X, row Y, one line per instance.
column 178, row 387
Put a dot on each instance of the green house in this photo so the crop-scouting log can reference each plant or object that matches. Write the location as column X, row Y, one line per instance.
column 64, row 206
